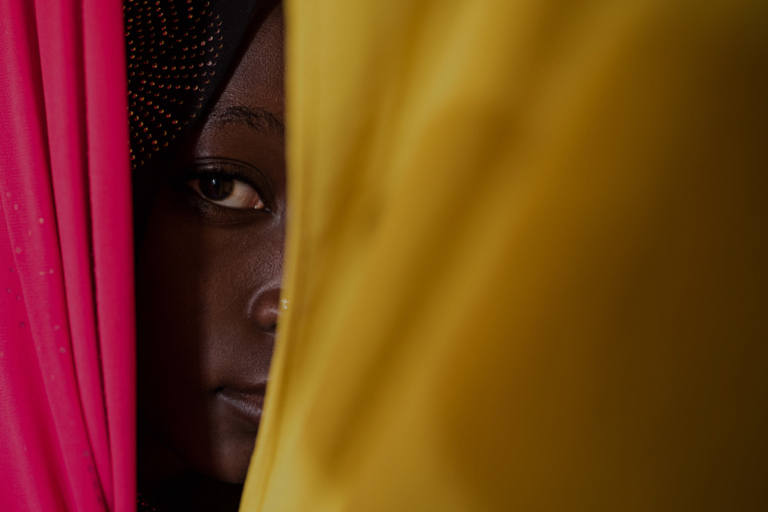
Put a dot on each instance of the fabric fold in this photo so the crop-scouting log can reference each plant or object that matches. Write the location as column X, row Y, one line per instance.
column 526, row 259
column 67, row 259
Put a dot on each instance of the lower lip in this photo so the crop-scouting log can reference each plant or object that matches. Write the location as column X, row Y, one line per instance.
column 247, row 405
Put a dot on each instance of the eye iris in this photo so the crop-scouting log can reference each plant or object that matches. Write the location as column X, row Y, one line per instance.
column 216, row 188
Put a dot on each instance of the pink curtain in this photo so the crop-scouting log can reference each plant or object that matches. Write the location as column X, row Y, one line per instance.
column 67, row 435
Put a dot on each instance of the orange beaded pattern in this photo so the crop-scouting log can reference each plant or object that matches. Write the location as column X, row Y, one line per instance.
column 176, row 52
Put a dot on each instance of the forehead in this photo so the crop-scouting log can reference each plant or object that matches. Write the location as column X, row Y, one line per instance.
column 256, row 75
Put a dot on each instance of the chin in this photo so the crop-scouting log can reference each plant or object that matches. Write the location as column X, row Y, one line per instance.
column 231, row 460
column 232, row 438
column 208, row 437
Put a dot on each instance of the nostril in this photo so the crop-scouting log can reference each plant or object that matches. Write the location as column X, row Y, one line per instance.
column 265, row 310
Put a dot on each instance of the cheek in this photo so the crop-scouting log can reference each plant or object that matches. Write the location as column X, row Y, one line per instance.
column 168, row 286
column 169, row 348
column 195, row 284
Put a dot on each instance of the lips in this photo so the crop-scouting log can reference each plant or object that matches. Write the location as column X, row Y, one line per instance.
column 248, row 402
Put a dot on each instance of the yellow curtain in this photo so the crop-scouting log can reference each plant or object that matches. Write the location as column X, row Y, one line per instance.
column 527, row 259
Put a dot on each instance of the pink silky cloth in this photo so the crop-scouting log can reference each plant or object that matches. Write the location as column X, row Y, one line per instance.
column 67, row 350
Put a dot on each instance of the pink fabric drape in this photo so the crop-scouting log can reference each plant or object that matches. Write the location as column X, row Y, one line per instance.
column 67, row 375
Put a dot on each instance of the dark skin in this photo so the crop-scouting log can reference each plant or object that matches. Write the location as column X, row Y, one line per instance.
column 208, row 287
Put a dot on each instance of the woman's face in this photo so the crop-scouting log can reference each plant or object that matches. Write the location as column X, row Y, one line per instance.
column 209, row 270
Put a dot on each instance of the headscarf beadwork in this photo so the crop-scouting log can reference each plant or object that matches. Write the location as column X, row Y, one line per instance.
column 178, row 52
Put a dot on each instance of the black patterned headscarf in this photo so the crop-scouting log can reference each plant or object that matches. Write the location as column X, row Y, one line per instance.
column 178, row 53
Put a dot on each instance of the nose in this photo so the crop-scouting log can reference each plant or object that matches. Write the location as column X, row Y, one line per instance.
column 265, row 310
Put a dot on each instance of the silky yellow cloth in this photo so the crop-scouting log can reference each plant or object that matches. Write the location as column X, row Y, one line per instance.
column 528, row 259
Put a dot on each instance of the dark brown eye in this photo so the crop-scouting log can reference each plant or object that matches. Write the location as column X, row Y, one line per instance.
column 227, row 192
column 216, row 188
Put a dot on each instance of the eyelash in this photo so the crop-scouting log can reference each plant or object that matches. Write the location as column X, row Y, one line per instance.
column 219, row 169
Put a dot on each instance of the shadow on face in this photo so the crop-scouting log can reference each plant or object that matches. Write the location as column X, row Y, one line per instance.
column 208, row 286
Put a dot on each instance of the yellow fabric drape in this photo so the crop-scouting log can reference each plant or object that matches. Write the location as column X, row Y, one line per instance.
column 527, row 259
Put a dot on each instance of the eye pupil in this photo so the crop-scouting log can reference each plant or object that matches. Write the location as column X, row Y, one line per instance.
column 216, row 188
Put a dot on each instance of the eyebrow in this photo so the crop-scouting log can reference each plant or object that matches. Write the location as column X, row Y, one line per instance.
column 259, row 118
